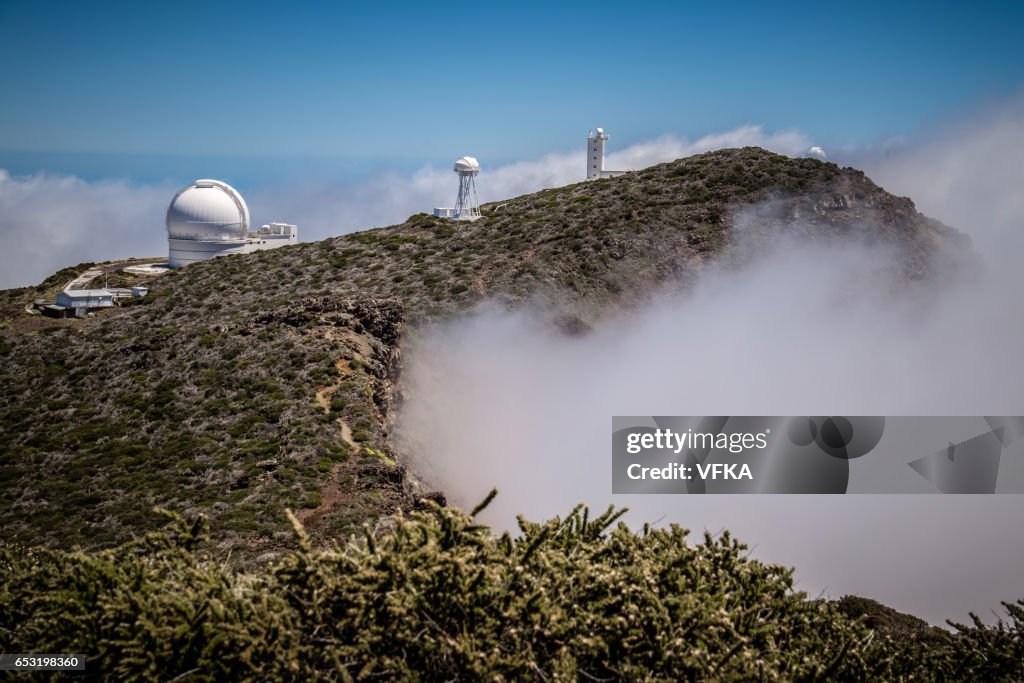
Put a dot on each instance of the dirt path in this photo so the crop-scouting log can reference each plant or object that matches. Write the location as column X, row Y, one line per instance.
column 324, row 396
column 332, row 491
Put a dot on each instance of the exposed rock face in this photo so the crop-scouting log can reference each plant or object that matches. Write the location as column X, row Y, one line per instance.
column 381, row 319
column 851, row 209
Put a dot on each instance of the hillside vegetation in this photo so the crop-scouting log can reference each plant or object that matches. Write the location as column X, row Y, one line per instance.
column 250, row 385
column 247, row 384
column 441, row 598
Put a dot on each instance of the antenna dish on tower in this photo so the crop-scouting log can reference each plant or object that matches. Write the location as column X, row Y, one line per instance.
column 467, row 206
column 467, row 165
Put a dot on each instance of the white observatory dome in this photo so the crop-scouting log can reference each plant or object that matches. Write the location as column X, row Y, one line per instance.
column 467, row 165
column 208, row 210
column 817, row 152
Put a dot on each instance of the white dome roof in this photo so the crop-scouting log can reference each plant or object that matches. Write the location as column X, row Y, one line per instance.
column 208, row 210
column 467, row 165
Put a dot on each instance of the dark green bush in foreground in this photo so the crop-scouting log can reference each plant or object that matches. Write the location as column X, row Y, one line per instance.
column 441, row 598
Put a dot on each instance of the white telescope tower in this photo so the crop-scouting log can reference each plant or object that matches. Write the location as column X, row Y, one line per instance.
column 595, row 155
column 467, row 206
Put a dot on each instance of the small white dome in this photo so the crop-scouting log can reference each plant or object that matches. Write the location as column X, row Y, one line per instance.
column 467, row 165
column 208, row 210
column 817, row 152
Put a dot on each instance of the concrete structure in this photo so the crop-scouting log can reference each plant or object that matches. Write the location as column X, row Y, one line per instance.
column 84, row 300
column 84, row 279
column 467, row 204
column 209, row 218
column 54, row 311
column 595, row 155
column 148, row 269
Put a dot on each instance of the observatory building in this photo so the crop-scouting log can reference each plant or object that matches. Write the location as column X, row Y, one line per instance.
column 817, row 152
column 595, row 155
column 209, row 218
column 467, row 205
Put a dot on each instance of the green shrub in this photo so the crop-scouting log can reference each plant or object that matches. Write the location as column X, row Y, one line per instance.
column 443, row 598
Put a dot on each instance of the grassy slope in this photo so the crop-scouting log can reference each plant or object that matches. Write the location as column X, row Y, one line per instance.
column 210, row 394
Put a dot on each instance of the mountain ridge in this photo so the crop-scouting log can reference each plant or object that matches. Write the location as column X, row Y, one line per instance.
column 247, row 384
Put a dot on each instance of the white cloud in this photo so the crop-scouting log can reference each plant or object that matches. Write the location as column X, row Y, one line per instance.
column 500, row 400
column 970, row 176
column 48, row 222
column 668, row 148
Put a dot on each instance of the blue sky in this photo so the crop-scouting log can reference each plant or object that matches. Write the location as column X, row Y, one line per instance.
column 141, row 90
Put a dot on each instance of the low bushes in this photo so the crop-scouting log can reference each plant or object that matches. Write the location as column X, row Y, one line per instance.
column 440, row 597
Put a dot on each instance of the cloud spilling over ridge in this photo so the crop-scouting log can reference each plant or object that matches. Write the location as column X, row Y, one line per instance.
column 498, row 399
column 48, row 222
column 969, row 176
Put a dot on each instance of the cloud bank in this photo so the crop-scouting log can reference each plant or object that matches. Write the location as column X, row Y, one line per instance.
column 498, row 399
column 968, row 175
column 48, row 222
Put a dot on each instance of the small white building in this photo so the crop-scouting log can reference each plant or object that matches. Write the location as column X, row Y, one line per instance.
column 84, row 300
column 279, row 231
column 209, row 218
column 595, row 156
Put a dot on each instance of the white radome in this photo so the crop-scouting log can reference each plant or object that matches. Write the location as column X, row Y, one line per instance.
column 467, row 165
column 817, row 153
column 208, row 210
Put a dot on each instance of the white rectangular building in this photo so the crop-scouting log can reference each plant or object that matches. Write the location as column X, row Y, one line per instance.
column 83, row 300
